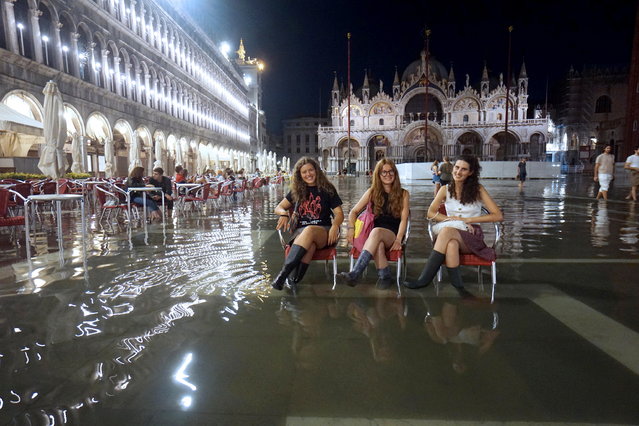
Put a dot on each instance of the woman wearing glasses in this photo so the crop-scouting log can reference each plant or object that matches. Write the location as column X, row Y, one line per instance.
column 389, row 202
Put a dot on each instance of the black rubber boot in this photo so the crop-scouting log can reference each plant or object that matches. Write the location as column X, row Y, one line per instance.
column 456, row 280
column 301, row 271
column 428, row 273
column 351, row 277
column 385, row 279
column 294, row 257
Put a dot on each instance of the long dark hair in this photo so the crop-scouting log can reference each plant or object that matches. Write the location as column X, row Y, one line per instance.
column 299, row 189
column 470, row 189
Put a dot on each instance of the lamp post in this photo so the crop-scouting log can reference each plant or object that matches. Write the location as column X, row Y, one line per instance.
column 45, row 39
column 65, row 51
column 20, row 28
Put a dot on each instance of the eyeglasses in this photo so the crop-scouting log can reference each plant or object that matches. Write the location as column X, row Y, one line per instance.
column 387, row 173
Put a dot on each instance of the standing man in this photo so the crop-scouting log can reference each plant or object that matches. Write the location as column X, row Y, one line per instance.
column 632, row 164
column 604, row 171
column 445, row 172
column 521, row 173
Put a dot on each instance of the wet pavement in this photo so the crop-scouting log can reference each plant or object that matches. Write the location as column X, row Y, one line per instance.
column 177, row 324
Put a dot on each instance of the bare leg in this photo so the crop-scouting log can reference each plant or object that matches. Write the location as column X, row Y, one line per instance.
column 379, row 240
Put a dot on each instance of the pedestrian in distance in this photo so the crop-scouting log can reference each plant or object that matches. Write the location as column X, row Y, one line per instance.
column 521, row 173
column 632, row 164
column 604, row 171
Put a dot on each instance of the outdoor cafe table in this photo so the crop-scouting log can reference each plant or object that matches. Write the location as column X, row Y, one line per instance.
column 58, row 199
column 144, row 190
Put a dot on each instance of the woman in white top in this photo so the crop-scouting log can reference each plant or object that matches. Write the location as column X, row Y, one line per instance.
column 463, row 197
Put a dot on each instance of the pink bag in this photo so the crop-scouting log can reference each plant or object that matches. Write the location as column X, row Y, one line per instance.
column 367, row 219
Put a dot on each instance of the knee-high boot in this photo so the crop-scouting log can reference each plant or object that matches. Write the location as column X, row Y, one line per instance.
column 385, row 278
column 351, row 277
column 301, row 271
column 456, row 280
column 428, row 273
column 294, row 257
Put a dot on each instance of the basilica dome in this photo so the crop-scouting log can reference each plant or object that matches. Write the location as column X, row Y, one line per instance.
column 436, row 68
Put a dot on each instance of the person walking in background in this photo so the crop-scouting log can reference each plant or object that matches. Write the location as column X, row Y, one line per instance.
column 445, row 172
column 436, row 179
column 604, row 171
column 521, row 173
column 632, row 164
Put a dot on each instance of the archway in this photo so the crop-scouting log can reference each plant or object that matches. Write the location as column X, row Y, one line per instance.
column 469, row 143
column 433, row 147
column 98, row 130
column 122, row 137
column 377, row 149
column 349, row 153
column 507, row 147
column 537, row 149
column 415, row 107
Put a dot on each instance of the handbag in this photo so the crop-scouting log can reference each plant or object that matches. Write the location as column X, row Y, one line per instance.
column 457, row 224
column 363, row 226
column 294, row 220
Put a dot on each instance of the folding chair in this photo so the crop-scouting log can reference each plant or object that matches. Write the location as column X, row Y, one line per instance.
column 327, row 254
column 397, row 256
column 471, row 259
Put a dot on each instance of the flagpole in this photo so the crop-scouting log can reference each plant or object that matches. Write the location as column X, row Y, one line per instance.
column 348, row 88
column 427, row 50
column 510, row 30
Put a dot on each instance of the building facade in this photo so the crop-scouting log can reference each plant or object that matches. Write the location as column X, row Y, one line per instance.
column 592, row 114
column 134, row 74
column 470, row 120
column 300, row 137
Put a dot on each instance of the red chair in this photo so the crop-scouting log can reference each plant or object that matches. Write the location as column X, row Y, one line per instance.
column 5, row 218
column 471, row 259
column 327, row 254
column 109, row 202
column 392, row 256
column 198, row 196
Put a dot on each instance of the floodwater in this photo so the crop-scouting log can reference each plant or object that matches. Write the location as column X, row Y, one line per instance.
column 178, row 324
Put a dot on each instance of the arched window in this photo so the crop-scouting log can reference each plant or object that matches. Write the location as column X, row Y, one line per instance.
column 465, row 118
column 381, row 121
column 603, row 105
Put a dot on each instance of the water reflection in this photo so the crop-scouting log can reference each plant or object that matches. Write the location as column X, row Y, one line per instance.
column 600, row 225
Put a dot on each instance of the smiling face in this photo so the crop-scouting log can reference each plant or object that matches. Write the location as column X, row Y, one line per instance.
column 387, row 174
column 461, row 171
column 607, row 149
column 308, row 174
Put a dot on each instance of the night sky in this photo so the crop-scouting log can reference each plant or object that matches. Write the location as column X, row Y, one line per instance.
column 302, row 42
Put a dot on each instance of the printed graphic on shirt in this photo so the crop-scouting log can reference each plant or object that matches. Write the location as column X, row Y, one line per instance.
column 309, row 210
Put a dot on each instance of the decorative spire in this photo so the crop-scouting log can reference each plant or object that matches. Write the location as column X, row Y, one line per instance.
column 522, row 73
column 335, row 85
column 396, row 79
column 451, row 74
column 484, row 74
column 365, row 78
column 241, row 53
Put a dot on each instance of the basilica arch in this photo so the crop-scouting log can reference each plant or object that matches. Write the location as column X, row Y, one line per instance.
column 378, row 147
column 503, row 146
column 346, row 151
column 469, row 142
column 415, row 138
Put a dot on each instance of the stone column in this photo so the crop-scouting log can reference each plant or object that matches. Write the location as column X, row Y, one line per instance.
column 133, row 16
column 105, row 69
column 117, row 75
column 127, row 91
column 147, row 88
column 93, row 71
column 138, row 85
column 74, row 61
column 10, row 29
column 56, row 47
column 36, row 36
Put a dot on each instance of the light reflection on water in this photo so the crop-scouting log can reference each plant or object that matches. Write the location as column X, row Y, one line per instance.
column 111, row 313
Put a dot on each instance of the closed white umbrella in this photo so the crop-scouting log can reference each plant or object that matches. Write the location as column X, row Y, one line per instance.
column 178, row 154
column 158, row 154
column 52, row 160
column 108, row 158
column 76, row 153
column 134, row 152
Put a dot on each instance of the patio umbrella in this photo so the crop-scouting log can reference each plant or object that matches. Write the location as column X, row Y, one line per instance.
column 134, row 152
column 76, row 153
column 108, row 158
column 52, row 159
column 178, row 154
column 158, row 154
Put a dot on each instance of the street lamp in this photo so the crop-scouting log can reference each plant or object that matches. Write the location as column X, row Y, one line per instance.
column 20, row 28
column 45, row 39
column 65, row 50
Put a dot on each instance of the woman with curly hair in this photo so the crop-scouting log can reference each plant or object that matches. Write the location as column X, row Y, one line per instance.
column 389, row 202
column 463, row 198
column 318, row 207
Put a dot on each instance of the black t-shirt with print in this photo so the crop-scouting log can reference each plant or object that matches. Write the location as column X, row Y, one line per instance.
column 317, row 209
